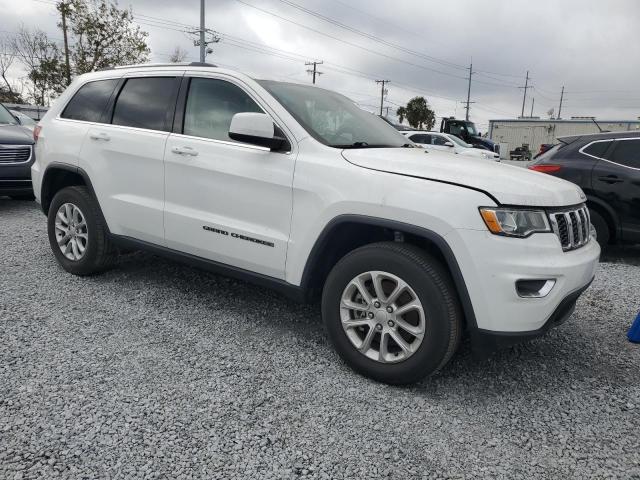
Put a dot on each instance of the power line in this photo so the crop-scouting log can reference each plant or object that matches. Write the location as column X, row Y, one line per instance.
column 355, row 45
column 370, row 36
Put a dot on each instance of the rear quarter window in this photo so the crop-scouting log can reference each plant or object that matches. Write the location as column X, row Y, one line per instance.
column 90, row 101
column 597, row 149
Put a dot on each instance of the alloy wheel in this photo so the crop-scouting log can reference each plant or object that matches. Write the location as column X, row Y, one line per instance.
column 382, row 316
column 71, row 231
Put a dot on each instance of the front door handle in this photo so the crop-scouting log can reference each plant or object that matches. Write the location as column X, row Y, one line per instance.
column 610, row 179
column 100, row 136
column 185, row 151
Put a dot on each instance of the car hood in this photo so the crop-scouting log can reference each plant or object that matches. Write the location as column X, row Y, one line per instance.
column 15, row 135
column 508, row 184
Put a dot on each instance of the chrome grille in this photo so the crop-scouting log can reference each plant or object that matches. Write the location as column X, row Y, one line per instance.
column 15, row 154
column 571, row 226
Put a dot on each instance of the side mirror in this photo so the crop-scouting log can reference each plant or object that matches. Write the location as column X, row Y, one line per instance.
column 448, row 144
column 256, row 129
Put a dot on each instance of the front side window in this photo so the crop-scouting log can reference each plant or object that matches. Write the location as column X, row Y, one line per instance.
column 597, row 149
column 438, row 140
column 144, row 103
column 90, row 100
column 211, row 104
column 627, row 153
column 333, row 119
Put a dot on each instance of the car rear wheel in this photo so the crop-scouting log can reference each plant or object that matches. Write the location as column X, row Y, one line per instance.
column 391, row 312
column 77, row 233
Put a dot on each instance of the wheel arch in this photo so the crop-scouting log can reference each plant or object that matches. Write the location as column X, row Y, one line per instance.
column 348, row 232
column 58, row 176
column 607, row 213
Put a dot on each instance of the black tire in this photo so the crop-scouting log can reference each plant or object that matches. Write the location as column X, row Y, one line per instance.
column 603, row 234
column 23, row 196
column 433, row 286
column 100, row 253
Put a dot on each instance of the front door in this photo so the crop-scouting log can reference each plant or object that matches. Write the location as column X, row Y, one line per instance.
column 224, row 200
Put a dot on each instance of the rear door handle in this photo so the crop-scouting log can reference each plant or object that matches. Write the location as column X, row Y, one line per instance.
column 610, row 179
column 100, row 136
column 185, row 151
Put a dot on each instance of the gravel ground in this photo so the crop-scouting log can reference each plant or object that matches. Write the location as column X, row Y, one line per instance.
column 156, row 370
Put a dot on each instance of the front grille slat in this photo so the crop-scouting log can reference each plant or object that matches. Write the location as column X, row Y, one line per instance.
column 18, row 154
column 571, row 226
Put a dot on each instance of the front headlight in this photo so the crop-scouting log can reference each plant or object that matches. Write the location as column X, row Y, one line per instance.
column 515, row 222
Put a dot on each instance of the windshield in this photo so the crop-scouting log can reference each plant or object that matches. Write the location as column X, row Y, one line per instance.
column 6, row 117
column 471, row 128
column 332, row 118
column 24, row 119
column 458, row 141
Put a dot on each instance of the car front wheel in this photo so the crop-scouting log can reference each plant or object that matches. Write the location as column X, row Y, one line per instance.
column 391, row 312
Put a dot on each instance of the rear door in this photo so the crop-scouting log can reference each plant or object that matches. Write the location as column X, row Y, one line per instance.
column 616, row 179
column 124, row 156
column 226, row 201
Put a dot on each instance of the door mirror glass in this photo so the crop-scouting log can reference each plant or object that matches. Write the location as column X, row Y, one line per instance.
column 448, row 144
column 256, row 129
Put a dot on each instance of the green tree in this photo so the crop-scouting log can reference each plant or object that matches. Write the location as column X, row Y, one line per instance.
column 42, row 61
column 418, row 114
column 103, row 36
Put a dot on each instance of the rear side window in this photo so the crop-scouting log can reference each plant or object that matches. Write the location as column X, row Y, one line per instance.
column 627, row 153
column 89, row 102
column 421, row 138
column 597, row 149
column 211, row 104
column 145, row 103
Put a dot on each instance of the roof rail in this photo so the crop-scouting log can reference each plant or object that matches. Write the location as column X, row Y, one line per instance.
column 176, row 64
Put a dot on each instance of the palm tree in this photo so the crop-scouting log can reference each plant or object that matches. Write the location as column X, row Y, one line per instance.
column 401, row 112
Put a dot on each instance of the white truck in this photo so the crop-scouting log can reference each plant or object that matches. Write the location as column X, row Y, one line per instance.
column 293, row 187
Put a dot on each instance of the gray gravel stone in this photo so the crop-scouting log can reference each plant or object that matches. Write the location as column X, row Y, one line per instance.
column 156, row 370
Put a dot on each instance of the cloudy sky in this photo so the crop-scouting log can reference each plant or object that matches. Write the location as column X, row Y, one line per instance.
column 422, row 46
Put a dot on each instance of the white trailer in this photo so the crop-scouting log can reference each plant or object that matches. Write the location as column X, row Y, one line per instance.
column 534, row 132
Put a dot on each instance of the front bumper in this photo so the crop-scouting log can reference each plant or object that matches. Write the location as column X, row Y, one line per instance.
column 486, row 341
column 15, row 178
column 491, row 265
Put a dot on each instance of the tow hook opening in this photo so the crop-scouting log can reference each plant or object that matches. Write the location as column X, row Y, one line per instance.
column 537, row 288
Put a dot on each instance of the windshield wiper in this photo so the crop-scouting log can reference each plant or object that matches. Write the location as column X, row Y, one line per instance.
column 363, row 145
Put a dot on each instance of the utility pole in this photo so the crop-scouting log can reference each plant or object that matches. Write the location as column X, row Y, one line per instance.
column 560, row 108
column 314, row 71
column 533, row 101
column 203, row 44
column 62, row 6
column 526, row 86
column 468, row 102
column 382, row 92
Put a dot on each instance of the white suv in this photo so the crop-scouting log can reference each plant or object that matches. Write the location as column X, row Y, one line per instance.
column 293, row 187
column 448, row 143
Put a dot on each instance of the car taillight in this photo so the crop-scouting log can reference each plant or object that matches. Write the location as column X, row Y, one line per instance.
column 36, row 132
column 545, row 168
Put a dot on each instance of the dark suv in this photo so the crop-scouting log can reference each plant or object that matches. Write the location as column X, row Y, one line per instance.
column 16, row 157
column 607, row 168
